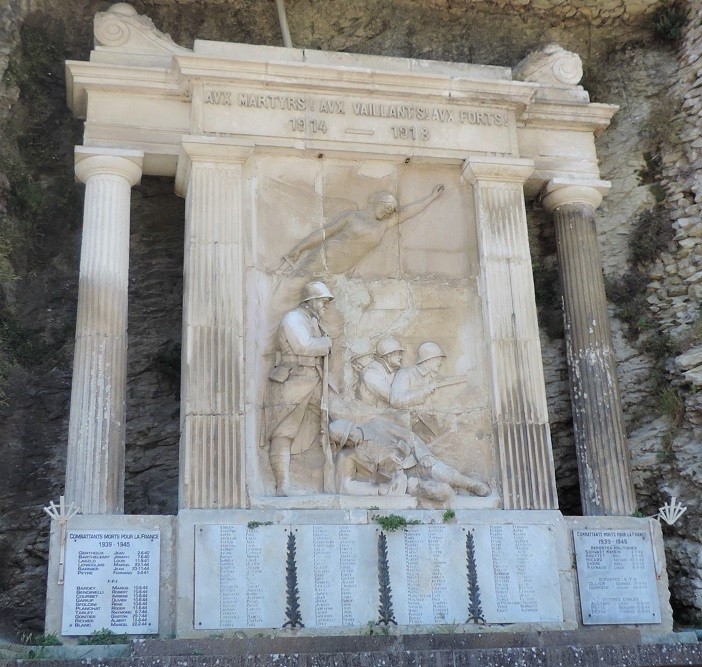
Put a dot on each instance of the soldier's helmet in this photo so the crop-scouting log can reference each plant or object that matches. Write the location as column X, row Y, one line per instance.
column 428, row 351
column 316, row 290
column 388, row 345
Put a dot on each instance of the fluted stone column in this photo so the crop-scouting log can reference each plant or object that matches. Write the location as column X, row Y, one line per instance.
column 603, row 458
column 211, row 448
column 95, row 461
column 520, row 416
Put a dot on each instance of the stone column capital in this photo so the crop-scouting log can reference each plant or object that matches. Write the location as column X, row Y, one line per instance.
column 561, row 191
column 497, row 169
column 91, row 161
column 208, row 149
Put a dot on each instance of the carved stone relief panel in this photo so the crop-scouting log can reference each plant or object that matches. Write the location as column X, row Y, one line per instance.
column 343, row 256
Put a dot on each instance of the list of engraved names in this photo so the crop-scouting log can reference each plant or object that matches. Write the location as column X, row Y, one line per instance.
column 616, row 576
column 111, row 581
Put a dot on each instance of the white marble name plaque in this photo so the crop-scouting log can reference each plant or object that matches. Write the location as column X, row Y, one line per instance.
column 240, row 576
column 348, row 575
column 338, row 574
column 458, row 574
column 522, row 583
column 111, row 582
column 616, row 577
column 427, row 567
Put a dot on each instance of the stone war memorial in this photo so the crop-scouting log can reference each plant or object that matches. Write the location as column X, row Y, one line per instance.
column 364, row 433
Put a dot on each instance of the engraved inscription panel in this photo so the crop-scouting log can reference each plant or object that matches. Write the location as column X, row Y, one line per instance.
column 347, row 575
column 428, row 574
column 338, row 574
column 520, row 573
column 515, row 570
column 239, row 576
column 616, row 577
column 111, row 582
column 355, row 119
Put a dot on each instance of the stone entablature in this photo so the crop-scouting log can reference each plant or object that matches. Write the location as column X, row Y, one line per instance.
column 148, row 93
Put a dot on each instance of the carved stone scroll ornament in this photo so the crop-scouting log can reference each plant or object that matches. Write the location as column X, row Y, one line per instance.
column 121, row 27
column 550, row 64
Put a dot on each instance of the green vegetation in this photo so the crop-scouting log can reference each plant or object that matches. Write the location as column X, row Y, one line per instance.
column 449, row 515
column 651, row 235
column 257, row 524
column 672, row 404
column 392, row 522
column 373, row 629
column 669, row 20
column 104, row 636
column 36, row 645
column 628, row 294
column 31, row 639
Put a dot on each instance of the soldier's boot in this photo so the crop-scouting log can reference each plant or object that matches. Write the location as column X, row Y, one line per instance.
column 455, row 479
column 431, row 489
column 280, row 464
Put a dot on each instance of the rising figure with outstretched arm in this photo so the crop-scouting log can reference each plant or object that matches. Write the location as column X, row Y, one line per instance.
column 351, row 235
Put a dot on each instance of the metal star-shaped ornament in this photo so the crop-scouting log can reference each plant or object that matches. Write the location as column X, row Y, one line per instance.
column 61, row 515
column 670, row 513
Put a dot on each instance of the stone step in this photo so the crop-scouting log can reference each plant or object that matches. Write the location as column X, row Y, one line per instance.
column 542, row 649
column 379, row 643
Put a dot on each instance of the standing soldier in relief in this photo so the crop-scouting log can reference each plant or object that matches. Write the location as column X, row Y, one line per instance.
column 295, row 402
column 377, row 377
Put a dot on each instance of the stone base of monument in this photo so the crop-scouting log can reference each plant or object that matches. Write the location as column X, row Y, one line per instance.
column 240, row 573
column 594, row 647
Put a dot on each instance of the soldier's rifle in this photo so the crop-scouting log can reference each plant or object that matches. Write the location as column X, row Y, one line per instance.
column 449, row 381
column 329, row 473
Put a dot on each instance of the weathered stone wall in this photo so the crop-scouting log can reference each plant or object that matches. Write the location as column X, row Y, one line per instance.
column 651, row 163
column 674, row 295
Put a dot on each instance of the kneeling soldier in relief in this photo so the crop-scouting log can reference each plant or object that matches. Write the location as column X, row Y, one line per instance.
column 382, row 458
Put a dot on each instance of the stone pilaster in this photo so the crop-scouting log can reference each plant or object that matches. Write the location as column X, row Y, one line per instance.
column 603, row 458
column 95, row 459
column 211, row 447
column 520, row 418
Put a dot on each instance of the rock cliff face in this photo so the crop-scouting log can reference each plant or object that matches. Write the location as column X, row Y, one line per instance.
column 635, row 54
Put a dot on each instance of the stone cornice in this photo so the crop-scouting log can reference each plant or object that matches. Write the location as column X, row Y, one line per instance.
column 148, row 93
column 590, row 117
